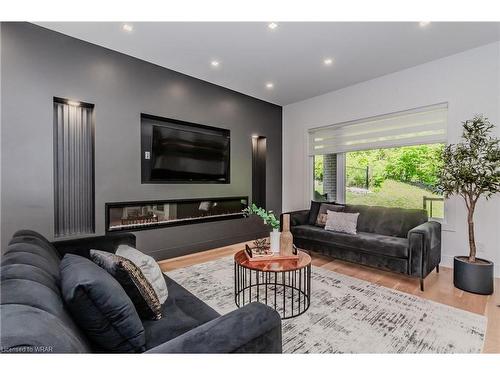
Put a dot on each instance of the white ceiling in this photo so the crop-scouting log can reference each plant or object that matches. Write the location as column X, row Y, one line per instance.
column 291, row 56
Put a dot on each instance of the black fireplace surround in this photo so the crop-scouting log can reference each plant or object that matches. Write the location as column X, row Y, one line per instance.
column 141, row 215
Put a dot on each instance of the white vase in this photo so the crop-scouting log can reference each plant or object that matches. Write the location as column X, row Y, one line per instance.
column 275, row 240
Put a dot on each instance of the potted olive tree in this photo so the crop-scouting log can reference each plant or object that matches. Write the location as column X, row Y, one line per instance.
column 471, row 169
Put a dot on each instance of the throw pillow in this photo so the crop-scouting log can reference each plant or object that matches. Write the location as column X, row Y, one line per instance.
column 100, row 306
column 322, row 213
column 132, row 281
column 149, row 268
column 342, row 222
column 314, row 210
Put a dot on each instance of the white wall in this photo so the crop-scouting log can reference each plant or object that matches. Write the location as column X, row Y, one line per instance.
column 468, row 81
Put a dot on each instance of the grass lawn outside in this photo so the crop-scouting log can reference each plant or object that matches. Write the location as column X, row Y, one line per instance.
column 396, row 194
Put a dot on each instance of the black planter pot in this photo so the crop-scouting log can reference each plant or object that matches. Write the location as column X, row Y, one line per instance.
column 473, row 277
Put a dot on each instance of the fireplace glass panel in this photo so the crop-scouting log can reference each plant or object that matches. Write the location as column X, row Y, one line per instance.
column 147, row 215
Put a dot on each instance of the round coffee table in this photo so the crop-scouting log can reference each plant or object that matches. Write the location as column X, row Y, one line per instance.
column 284, row 285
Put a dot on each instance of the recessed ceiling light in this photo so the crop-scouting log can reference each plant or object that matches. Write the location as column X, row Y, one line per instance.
column 424, row 23
column 328, row 61
column 127, row 27
column 272, row 25
column 269, row 85
column 214, row 63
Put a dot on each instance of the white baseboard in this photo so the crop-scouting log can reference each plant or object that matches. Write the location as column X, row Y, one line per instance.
column 446, row 261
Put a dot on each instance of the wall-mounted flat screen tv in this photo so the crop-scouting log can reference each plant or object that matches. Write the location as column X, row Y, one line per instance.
column 180, row 152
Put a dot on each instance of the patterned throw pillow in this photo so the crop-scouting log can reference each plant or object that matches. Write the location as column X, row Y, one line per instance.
column 342, row 222
column 132, row 280
column 322, row 213
column 149, row 268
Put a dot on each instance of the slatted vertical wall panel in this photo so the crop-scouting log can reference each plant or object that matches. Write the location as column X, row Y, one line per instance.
column 73, row 169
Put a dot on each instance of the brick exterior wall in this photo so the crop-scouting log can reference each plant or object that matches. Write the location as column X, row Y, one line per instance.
column 330, row 176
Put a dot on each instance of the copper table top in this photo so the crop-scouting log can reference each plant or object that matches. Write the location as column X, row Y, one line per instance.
column 273, row 265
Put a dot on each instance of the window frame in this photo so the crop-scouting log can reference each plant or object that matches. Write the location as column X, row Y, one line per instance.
column 341, row 187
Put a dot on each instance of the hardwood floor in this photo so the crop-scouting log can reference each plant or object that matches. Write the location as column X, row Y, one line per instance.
column 438, row 286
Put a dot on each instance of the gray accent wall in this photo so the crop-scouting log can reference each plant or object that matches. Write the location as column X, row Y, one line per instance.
column 38, row 64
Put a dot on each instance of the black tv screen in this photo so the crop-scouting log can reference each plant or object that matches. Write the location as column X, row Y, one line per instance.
column 188, row 153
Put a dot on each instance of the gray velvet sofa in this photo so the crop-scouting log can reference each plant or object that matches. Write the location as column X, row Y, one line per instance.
column 393, row 239
column 35, row 319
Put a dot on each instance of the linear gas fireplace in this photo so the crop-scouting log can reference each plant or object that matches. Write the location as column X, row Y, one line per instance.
column 134, row 216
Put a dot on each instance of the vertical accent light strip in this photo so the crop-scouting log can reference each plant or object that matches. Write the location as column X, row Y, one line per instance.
column 259, row 156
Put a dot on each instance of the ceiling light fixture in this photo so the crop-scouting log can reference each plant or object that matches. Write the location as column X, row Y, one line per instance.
column 272, row 25
column 215, row 63
column 127, row 27
column 269, row 85
column 328, row 61
column 73, row 103
column 424, row 23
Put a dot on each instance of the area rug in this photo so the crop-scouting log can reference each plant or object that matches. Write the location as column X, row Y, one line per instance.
column 348, row 315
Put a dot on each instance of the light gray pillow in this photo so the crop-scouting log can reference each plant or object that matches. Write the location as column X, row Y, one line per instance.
column 342, row 222
column 149, row 268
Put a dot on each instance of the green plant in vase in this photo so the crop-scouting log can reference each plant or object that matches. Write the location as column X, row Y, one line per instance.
column 266, row 216
column 269, row 219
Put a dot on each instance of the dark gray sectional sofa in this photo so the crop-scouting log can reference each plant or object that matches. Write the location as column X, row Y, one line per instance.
column 394, row 239
column 35, row 319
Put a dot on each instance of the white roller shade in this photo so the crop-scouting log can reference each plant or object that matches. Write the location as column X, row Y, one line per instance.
column 417, row 126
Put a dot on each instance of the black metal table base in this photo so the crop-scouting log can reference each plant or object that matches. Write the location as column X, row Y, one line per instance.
column 288, row 292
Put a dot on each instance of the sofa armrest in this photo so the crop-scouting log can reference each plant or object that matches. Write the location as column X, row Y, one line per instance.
column 424, row 242
column 254, row 328
column 300, row 217
column 82, row 246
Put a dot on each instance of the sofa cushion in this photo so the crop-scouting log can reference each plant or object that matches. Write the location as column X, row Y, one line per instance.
column 29, row 272
column 36, row 297
column 100, row 306
column 30, row 240
column 182, row 312
column 27, row 329
column 33, row 315
column 32, row 258
column 31, row 233
column 389, row 221
column 363, row 241
column 32, row 293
